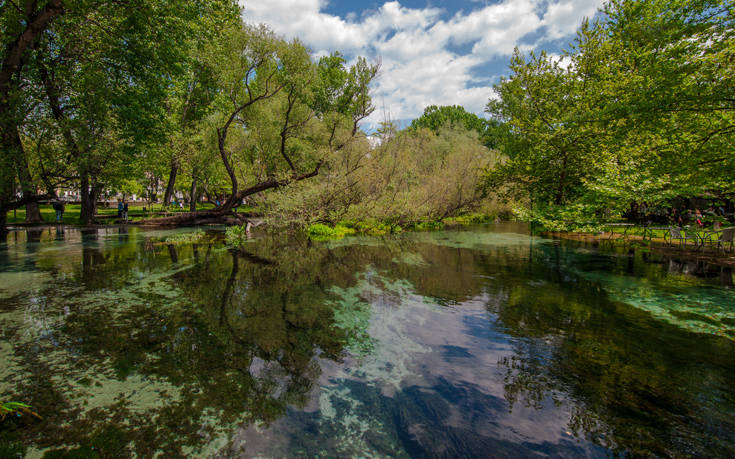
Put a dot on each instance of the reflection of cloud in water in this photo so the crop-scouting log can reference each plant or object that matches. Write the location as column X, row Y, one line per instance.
column 429, row 381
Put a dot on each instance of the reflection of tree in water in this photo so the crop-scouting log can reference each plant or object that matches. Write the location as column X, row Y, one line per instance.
column 638, row 385
column 238, row 344
column 231, row 339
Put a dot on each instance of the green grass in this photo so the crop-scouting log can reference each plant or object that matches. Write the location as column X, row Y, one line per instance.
column 321, row 232
column 71, row 213
column 344, row 228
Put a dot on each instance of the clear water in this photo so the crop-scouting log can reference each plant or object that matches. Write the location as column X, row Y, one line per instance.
column 476, row 342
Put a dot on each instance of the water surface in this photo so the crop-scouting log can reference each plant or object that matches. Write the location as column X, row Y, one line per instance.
column 473, row 342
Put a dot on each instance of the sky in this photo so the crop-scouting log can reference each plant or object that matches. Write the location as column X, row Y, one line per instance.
column 431, row 52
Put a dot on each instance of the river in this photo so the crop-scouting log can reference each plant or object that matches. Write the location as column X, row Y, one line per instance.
column 477, row 341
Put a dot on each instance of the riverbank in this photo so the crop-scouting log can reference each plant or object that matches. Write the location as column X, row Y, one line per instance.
column 136, row 213
column 638, row 243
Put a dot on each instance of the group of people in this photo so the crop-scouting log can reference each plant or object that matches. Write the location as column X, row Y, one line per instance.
column 680, row 216
column 683, row 217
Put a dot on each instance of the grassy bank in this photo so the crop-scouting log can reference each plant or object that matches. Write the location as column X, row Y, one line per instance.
column 321, row 231
column 136, row 212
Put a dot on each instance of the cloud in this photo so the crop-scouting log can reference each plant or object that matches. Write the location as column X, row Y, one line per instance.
column 563, row 18
column 429, row 55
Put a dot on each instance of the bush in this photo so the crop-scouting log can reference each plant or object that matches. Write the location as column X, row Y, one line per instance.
column 413, row 176
column 428, row 225
column 319, row 231
column 186, row 238
column 236, row 236
column 469, row 219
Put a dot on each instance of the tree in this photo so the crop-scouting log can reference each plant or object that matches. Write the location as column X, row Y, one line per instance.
column 663, row 73
column 548, row 140
column 434, row 118
column 286, row 114
column 644, row 111
column 292, row 112
column 100, row 72
column 21, row 30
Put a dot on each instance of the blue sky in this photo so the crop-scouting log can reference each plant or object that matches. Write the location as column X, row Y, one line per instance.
column 431, row 52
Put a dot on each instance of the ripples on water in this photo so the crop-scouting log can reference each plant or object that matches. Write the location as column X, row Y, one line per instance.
column 476, row 342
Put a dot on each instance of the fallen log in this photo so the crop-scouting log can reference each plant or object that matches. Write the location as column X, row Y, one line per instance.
column 203, row 217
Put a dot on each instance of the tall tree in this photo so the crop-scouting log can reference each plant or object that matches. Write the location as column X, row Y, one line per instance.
column 663, row 75
column 21, row 28
column 290, row 113
column 435, row 118
column 101, row 71
column 542, row 107
column 643, row 112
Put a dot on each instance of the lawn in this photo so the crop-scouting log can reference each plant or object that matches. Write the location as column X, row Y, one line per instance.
column 71, row 213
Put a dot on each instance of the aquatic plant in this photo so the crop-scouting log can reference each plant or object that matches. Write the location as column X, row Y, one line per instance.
column 428, row 225
column 186, row 238
column 320, row 231
column 469, row 219
column 237, row 235
column 15, row 408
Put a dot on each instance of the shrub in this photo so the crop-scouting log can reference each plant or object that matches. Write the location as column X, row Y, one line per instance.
column 186, row 238
column 469, row 219
column 428, row 225
column 236, row 236
column 319, row 231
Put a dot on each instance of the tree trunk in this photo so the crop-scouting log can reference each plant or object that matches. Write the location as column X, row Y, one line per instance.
column 171, row 182
column 206, row 193
column 89, row 201
column 7, row 171
column 33, row 213
column 193, row 196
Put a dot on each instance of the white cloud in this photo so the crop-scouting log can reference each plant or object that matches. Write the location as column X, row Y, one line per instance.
column 564, row 17
column 415, row 45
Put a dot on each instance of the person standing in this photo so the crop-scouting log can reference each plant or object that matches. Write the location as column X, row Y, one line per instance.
column 59, row 208
column 125, row 212
column 119, row 209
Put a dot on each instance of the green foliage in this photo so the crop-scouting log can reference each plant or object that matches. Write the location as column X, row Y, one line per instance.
column 319, row 231
column 412, row 176
column 642, row 112
column 435, row 118
column 469, row 219
column 186, row 238
column 573, row 217
column 237, row 236
column 427, row 226
column 94, row 89
column 376, row 228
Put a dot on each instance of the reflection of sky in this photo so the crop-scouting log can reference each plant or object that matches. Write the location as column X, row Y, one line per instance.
column 432, row 382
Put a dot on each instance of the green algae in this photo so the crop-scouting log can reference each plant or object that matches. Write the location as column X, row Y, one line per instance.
column 14, row 283
column 679, row 300
column 411, row 259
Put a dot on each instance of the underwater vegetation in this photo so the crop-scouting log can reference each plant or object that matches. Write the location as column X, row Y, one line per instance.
column 16, row 409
